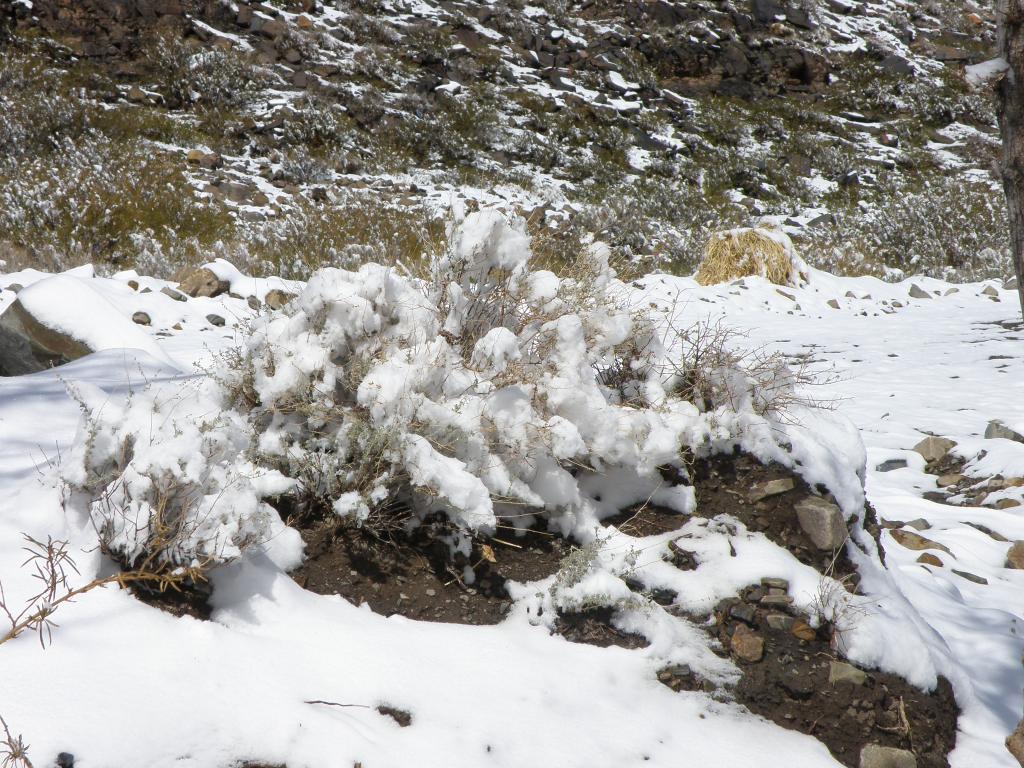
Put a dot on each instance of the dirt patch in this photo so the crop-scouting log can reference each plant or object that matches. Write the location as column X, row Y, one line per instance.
column 790, row 685
column 191, row 601
column 595, row 628
column 400, row 716
column 415, row 576
column 648, row 520
column 723, row 484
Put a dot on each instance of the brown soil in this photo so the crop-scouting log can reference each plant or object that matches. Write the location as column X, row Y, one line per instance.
column 189, row 601
column 722, row 484
column 790, row 686
column 595, row 628
column 413, row 576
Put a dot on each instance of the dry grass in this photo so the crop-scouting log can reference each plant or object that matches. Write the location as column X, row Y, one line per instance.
column 745, row 252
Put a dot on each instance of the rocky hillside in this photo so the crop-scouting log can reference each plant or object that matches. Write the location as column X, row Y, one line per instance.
column 285, row 134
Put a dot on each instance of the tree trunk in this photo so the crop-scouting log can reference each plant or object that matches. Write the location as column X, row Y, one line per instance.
column 1010, row 90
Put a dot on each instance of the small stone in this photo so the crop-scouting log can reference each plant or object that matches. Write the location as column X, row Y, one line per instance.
column 65, row 760
column 304, row 22
column 841, row 672
column 772, row 582
column 216, row 320
column 950, row 479
column 916, row 541
column 176, row 295
column 970, row 576
column 934, row 448
column 747, row 645
column 431, row 593
column 990, row 290
column 276, row 298
column 802, row 630
column 997, row 429
column 917, row 292
column 141, row 318
column 927, row 558
column 890, row 464
column 1015, row 743
column 1007, row 503
column 780, row 622
column 743, row 612
column 133, row 284
column 777, row 601
column 874, row 756
column 1015, row 556
column 822, row 521
column 770, row 488
column 834, row 303
column 918, row 524
column 253, row 302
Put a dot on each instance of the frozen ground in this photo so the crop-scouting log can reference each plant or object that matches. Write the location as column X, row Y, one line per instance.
column 124, row 684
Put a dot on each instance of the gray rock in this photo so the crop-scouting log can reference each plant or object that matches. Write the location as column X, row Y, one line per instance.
column 896, row 65
column 834, row 303
column 767, row 11
column 27, row 345
column 990, row 290
column 779, row 621
column 996, row 429
column 890, row 464
column 822, row 521
column 770, row 488
column 1011, row 284
column 841, row 672
column 772, row 582
column 917, row 292
column 215, row 320
column 934, row 448
column 141, row 318
column 874, row 756
column 173, row 294
column 970, row 576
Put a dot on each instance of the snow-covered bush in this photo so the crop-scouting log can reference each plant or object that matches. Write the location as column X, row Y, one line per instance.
column 484, row 391
column 164, row 481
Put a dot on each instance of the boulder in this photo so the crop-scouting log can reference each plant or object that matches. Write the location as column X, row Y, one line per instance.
column 276, row 298
column 27, row 345
column 917, row 292
column 822, row 521
column 1015, row 556
column 201, row 282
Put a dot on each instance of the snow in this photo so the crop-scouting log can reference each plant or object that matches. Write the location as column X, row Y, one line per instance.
column 238, row 687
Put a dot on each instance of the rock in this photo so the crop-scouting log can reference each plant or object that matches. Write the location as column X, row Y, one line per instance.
column 822, row 521
column 950, row 479
column 136, row 94
column 141, row 318
column 194, row 156
column 803, row 631
column 990, row 290
column 747, row 645
column 770, row 488
column 776, row 601
column 934, row 448
column 834, row 303
column 874, row 756
column 65, row 760
column 744, row 612
column 927, row 558
column 970, row 576
column 767, row 11
column 216, row 320
column 841, row 672
column 1007, row 503
column 996, row 429
column 917, row 292
column 201, row 282
column 779, row 622
column 772, row 582
column 890, row 464
column 1011, row 284
column 27, row 345
column 253, row 302
column 276, row 298
column 171, row 293
column 1015, row 743
column 896, row 65
column 799, row 686
column 1015, row 556
column 916, row 541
